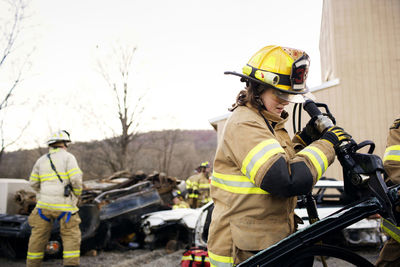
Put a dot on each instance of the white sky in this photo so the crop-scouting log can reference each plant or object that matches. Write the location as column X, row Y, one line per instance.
column 183, row 48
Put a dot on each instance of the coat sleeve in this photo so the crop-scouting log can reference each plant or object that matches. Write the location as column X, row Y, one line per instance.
column 391, row 159
column 75, row 175
column 34, row 179
column 263, row 160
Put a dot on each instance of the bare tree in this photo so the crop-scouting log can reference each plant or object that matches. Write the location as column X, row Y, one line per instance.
column 116, row 72
column 164, row 143
column 13, row 60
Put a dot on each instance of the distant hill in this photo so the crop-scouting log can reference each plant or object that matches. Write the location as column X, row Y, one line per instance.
column 175, row 152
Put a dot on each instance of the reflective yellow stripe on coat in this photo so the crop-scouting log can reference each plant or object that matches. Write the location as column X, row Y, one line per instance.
column 391, row 229
column 392, row 153
column 317, row 157
column 258, row 156
column 60, row 207
column 220, row 261
column 238, row 184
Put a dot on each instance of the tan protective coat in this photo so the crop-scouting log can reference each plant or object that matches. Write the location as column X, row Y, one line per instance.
column 252, row 222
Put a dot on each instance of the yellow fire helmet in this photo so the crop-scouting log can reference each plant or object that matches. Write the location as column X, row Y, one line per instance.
column 282, row 68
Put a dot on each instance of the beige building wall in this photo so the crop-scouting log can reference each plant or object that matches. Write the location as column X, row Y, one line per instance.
column 360, row 46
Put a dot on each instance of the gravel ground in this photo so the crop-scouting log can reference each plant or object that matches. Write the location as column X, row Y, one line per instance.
column 139, row 257
column 155, row 258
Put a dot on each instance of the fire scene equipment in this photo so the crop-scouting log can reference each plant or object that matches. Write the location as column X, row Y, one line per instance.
column 282, row 68
column 60, row 136
column 195, row 257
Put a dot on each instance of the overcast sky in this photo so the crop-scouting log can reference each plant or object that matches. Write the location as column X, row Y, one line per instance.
column 183, row 48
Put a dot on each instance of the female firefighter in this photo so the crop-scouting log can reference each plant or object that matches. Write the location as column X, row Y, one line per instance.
column 257, row 171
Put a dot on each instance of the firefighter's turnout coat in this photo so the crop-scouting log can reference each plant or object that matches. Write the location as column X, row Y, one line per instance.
column 198, row 187
column 53, row 205
column 390, row 254
column 50, row 190
column 256, row 178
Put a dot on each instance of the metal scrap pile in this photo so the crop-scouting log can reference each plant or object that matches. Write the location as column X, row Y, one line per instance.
column 161, row 182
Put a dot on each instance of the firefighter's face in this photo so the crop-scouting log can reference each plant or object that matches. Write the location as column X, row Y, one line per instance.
column 272, row 102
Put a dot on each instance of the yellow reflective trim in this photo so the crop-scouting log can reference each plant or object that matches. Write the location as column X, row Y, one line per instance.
column 391, row 229
column 258, row 156
column 73, row 171
column 71, row 251
column 317, row 157
column 392, row 153
column 53, row 178
column 34, row 178
column 61, row 207
column 202, row 186
column 237, row 184
column 217, row 260
column 35, row 255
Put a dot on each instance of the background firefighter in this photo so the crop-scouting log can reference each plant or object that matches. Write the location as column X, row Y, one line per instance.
column 198, row 186
column 178, row 201
column 390, row 253
column 258, row 171
column 57, row 179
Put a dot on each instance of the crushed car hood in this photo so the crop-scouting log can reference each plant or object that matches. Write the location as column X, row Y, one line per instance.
column 187, row 216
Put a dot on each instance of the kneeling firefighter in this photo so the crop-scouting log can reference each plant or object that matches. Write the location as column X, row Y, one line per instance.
column 258, row 169
column 57, row 179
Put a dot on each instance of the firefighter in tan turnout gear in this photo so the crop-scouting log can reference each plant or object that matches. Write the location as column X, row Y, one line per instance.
column 198, row 186
column 390, row 254
column 258, row 171
column 57, row 179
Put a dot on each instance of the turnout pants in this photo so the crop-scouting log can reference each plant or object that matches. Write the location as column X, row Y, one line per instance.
column 390, row 254
column 41, row 230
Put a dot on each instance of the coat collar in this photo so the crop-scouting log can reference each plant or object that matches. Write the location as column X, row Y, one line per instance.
column 277, row 121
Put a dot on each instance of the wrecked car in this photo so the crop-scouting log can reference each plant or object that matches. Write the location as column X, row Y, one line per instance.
column 329, row 196
column 173, row 229
column 109, row 210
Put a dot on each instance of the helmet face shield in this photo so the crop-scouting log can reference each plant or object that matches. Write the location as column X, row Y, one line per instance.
column 298, row 76
column 292, row 98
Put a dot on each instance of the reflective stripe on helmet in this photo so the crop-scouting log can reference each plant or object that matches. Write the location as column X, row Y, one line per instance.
column 258, row 156
column 238, row 184
column 392, row 153
column 317, row 157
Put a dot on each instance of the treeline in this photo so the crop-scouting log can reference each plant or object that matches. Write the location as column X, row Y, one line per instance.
column 174, row 152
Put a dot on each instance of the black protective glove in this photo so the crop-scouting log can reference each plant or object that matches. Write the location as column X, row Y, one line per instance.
column 309, row 133
column 335, row 135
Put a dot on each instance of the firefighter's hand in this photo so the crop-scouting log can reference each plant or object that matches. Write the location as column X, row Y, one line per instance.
column 309, row 133
column 335, row 135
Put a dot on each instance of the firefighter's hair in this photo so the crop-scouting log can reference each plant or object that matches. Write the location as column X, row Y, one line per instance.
column 250, row 94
